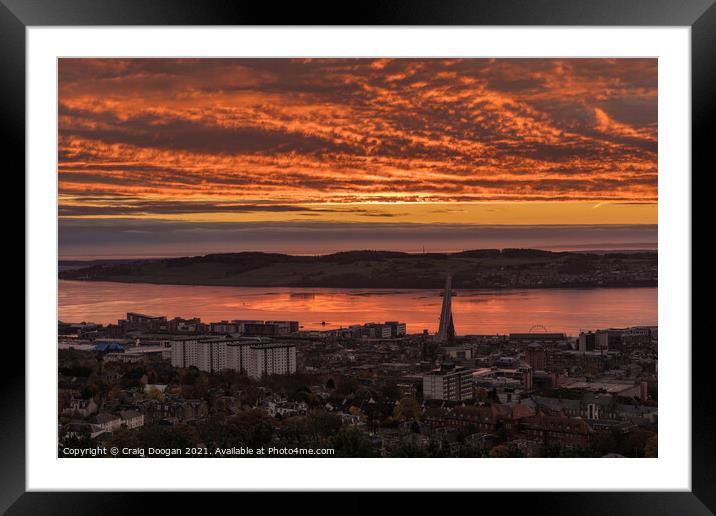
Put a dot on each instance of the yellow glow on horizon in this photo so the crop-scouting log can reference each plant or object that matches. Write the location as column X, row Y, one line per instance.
column 483, row 213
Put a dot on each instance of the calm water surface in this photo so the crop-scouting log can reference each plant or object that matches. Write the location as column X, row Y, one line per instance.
column 475, row 311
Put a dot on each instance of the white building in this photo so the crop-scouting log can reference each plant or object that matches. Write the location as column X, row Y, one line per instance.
column 285, row 408
column 107, row 422
column 139, row 354
column 131, row 418
column 398, row 329
column 184, row 353
column 250, row 356
column 205, row 354
column 81, row 406
column 238, row 355
column 213, row 358
column 458, row 352
column 610, row 339
column 270, row 359
column 448, row 385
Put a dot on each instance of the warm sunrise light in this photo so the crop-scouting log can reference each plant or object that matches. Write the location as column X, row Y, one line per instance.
column 477, row 141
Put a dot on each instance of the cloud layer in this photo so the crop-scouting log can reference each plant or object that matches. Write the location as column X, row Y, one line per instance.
column 147, row 137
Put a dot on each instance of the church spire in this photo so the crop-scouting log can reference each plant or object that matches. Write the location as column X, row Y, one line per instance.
column 446, row 331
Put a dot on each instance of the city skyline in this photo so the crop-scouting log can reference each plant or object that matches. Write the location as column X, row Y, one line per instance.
column 358, row 258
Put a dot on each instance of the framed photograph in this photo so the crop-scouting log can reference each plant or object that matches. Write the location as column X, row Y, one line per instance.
column 424, row 248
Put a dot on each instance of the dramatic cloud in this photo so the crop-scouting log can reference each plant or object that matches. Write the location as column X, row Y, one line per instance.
column 172, row 137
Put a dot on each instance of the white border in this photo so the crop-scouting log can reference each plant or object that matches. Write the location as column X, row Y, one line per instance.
column 670, row 471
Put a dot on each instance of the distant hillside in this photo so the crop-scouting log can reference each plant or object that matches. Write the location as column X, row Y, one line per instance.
column 485, row 268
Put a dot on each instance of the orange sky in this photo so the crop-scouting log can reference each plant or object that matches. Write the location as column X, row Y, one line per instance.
column 476, row 141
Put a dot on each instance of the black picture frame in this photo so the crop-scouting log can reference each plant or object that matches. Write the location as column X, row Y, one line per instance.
column 700, row 15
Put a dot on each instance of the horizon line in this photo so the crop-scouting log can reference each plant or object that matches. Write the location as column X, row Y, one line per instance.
column 632, row 248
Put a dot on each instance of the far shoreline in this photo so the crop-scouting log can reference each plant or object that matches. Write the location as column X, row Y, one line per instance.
column 487, row 289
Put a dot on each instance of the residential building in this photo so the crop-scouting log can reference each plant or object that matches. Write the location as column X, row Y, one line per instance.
column 248, row 355
column 107, row 422
column 587, row 341
column 285, row 408
column 272, row 359
column 193, row 325
column 241, row 324
column 448, row 384
column 609, row 340
column 142, row 322
column 458, row 353
column 534, row 356
column 480, row 419
column 81, row 406
column 131, row 418
column 284, row 327
column 520, row 376
column 238, row 354
column 81, row 428
column 559, row 431
column 397, row 329
column 548, row 340
column 224, row 327
column 205, row 354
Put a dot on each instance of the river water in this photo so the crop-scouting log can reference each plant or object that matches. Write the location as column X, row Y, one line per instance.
column 474, row 311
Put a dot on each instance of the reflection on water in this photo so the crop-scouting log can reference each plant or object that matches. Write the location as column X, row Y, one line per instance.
column 302, row 295
column 475, row 311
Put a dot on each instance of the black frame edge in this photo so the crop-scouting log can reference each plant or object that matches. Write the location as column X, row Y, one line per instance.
column 370, row 12
column 15, row 15
column 703, row 114
column 584, row 504
column 12, row 381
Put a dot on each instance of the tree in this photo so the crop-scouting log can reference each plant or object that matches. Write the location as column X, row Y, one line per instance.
column 438, row 448
column 635, row 442
column 74, row 369
column 651, row 449
column 251, row 428
column 348, row 385
column 301, row 393
column 101, row 389
column 352, row 443
column 201, row 386
column 189, row 375
column 500, row 451
column 390, row 391
column 124, row 438
column 355, row 411
column 292, row 432
column 159, row 436
column 323, row 424
column 152, row 376
column 115, row 393
column 471, row 451
column 155, row 394
column 555, row 450
column 409, row 450
column 87, row 392
column 407, row 409
column 214, row 432
column 76, row 440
